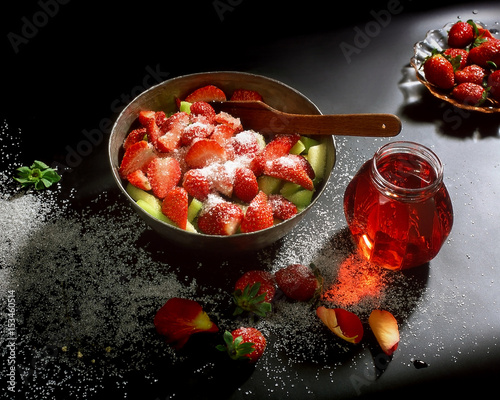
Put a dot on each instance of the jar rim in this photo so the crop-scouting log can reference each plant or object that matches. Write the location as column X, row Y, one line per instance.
column 407, row 147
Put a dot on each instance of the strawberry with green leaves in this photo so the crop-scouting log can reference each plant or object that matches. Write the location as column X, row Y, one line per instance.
column 180, row 318
column 494, row 84
column 253, row 292
column 439, row 71
column 461, row 34
column 470, row 94
column 244, row 344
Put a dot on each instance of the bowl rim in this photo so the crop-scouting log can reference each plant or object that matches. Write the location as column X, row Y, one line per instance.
column 214, row 238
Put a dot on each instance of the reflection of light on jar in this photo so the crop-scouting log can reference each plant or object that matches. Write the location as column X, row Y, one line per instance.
column 397, row 207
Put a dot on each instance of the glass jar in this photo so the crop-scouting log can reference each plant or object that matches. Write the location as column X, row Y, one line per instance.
column 397, row 206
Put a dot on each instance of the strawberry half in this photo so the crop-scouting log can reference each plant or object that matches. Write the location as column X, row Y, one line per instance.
column 253, row 292
column 133, row 137
column 163, row 174
column 179, row 318
column 204, row 152
column 344, row 324
column 385, row 328
column 282, row 208
column 139, row 179
column 206, row 93
column 137, row 156
column 244, row 344
column 223, row 219
column 292, row 169
column 259, row 214
column 175, row 206
column 145, row 116
column 298, row 282
column 204, row 109
column 245, row 185
column 245, row 95
column 196, row 184
column 278, row 147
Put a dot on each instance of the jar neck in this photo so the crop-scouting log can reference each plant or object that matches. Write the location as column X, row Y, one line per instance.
column 406, row 171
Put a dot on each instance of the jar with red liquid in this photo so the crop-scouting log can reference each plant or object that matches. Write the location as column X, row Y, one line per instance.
column 397, row 206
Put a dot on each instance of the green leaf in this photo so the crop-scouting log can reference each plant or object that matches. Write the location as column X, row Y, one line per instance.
column 39, row 174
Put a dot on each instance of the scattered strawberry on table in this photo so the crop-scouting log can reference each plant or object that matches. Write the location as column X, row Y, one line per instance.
column 464, row 68
column 232, row 179
column 254, row 293
column 245, row 343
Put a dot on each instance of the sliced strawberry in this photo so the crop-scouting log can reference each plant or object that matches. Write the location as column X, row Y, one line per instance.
column 282, row 208
column 133, row 137
column 206, row 93
column 253, row 292
column 160, row 117
column 176, row 122
column 223, row 218
column 145, row 116
column 227, row 119
column 245, row 95
column 289, row 168
column 222, row 134
column 175, row 206
column 259, row 214
column 385, row 328
column 153, row 131
column 245, row 185
column 203, row 108
column 196, row 184
column 139, row 179
column 179, row 318
column 137, row 156
column 298, row 282
column 204, row 152
column 199, row 128
column 244, row 343
column 344, row 324
column 278, row 147
column 246, row 144
column 163, row 174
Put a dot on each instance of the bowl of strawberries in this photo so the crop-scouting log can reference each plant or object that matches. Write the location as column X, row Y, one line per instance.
column 201, row 179
column 460, row 64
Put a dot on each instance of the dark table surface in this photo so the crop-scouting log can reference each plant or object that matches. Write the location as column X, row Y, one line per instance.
column 82, row 278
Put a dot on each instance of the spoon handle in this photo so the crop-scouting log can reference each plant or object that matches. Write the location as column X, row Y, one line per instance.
column 265, row 119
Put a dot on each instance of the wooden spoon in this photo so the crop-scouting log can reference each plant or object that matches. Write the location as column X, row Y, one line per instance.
column 264, row 119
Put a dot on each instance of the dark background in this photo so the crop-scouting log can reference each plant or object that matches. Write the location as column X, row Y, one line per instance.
column 82, row 64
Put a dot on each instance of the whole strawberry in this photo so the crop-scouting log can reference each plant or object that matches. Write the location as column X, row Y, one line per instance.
column 298, row 282
column 471, row 73
column 253, row 292
column 484, row 54
column 439, row 71
column 494, row 84
column 469, row 93
column 244, row 344
column 461, row 34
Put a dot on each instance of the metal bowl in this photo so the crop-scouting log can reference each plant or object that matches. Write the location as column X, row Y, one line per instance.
column 162, row 97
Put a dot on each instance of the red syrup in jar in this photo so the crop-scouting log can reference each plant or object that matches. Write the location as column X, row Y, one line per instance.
column 397, row 207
